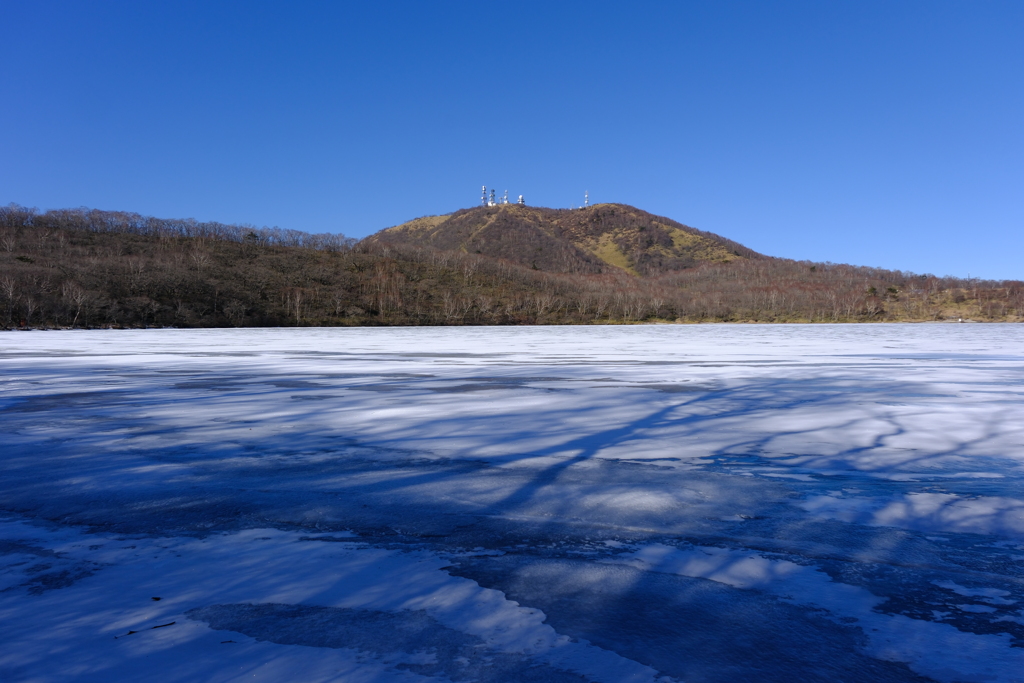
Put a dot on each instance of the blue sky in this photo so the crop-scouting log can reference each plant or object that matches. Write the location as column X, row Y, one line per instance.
column 879, row 133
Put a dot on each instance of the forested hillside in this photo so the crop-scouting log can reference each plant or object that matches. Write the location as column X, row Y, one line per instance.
column 86, row 268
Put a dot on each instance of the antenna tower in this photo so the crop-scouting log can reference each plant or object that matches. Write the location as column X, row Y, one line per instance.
column 586, row 199
column 483, row 196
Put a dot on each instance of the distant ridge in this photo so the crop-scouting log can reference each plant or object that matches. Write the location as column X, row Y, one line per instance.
column 598, row 239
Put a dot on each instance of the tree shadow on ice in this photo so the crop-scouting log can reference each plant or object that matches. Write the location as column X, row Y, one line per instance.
column 315, row 478
column 711, row 412
column 692, row 628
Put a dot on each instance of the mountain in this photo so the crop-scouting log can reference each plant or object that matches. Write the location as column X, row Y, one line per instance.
column 604, row 238
column 87, row 268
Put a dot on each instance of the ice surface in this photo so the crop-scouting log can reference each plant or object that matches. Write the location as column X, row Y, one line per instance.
column 692, row 503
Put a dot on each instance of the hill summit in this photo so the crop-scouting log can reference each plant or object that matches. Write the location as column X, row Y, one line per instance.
column 598, row 239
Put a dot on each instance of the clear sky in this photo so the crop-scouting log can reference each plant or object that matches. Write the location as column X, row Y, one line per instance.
column 879, row 133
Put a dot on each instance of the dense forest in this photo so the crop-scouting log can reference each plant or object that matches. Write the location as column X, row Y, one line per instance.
column 87, row 268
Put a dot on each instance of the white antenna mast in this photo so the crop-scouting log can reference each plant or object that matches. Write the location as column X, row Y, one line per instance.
column 586, row 199
column 483, row 195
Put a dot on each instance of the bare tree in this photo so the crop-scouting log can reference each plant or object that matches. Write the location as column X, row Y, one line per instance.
column 30, row 307
column 7, row 287
column 136, row 267
column 338, row 298
column 78, row 298
column 542, row 302
column 200, row 259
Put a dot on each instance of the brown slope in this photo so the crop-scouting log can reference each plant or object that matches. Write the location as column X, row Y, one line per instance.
column 598, row 239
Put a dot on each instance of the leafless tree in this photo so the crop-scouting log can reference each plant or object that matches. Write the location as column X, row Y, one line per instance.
column 77, row 297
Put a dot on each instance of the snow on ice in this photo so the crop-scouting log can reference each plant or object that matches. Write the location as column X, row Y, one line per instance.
column 645, row 503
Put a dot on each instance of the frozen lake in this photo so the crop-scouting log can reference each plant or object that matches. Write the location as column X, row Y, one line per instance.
column 647, row 503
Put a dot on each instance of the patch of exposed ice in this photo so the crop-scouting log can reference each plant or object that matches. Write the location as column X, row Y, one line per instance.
column 994, row 596
column 931, row 649
column 978, row 609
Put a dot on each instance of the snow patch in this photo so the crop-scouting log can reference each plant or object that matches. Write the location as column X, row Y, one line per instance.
column 943, row 512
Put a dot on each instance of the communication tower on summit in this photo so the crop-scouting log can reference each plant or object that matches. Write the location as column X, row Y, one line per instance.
column 586, row 199
column 493, row 200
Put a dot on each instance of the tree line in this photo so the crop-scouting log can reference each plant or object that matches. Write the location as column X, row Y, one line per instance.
column 89, row 268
